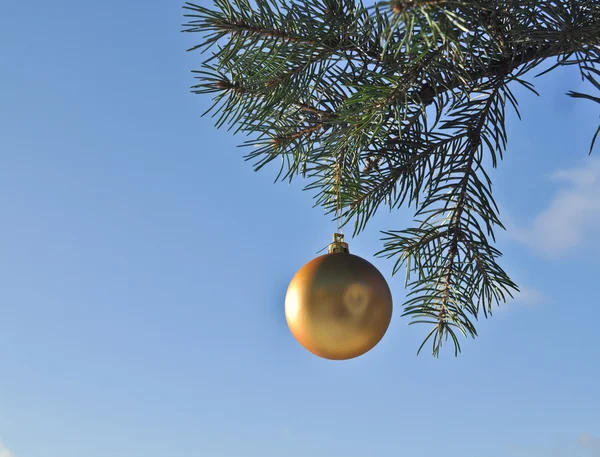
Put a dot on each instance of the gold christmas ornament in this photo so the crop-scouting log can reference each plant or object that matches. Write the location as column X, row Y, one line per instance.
column 338, row 306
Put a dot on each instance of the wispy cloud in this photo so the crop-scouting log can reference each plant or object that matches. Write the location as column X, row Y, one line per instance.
column 4, row 451
column 529, row 296
column 571, row 218
column 591, row 444
column 586, row 446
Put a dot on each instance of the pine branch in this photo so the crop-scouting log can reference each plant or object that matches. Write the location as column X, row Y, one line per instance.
column 395, row 104
column 473, row 143
column 405, row 6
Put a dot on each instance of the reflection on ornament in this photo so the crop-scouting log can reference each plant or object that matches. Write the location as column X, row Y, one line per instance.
column 338, row 306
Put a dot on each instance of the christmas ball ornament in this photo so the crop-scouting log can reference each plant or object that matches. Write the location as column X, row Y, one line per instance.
column 338, row 306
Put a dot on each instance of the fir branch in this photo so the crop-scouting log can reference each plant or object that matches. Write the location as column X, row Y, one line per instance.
column 296, row 135
column 379, row 107
column 404, row 6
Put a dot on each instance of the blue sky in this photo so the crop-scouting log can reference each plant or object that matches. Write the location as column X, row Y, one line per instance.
column 144, row 266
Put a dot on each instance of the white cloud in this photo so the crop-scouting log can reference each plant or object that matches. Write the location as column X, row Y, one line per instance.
column 591, row 444
column 4, row 451
column 572, row 217
column 586, row 446
column 529, row 296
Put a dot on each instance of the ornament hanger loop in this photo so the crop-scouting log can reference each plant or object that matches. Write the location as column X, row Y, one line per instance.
column 338, row 245
column 339, row 205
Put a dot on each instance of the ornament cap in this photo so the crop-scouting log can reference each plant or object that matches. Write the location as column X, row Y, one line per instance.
column 338, row 246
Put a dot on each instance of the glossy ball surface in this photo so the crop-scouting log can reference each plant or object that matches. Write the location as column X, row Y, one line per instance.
column 338, row 306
